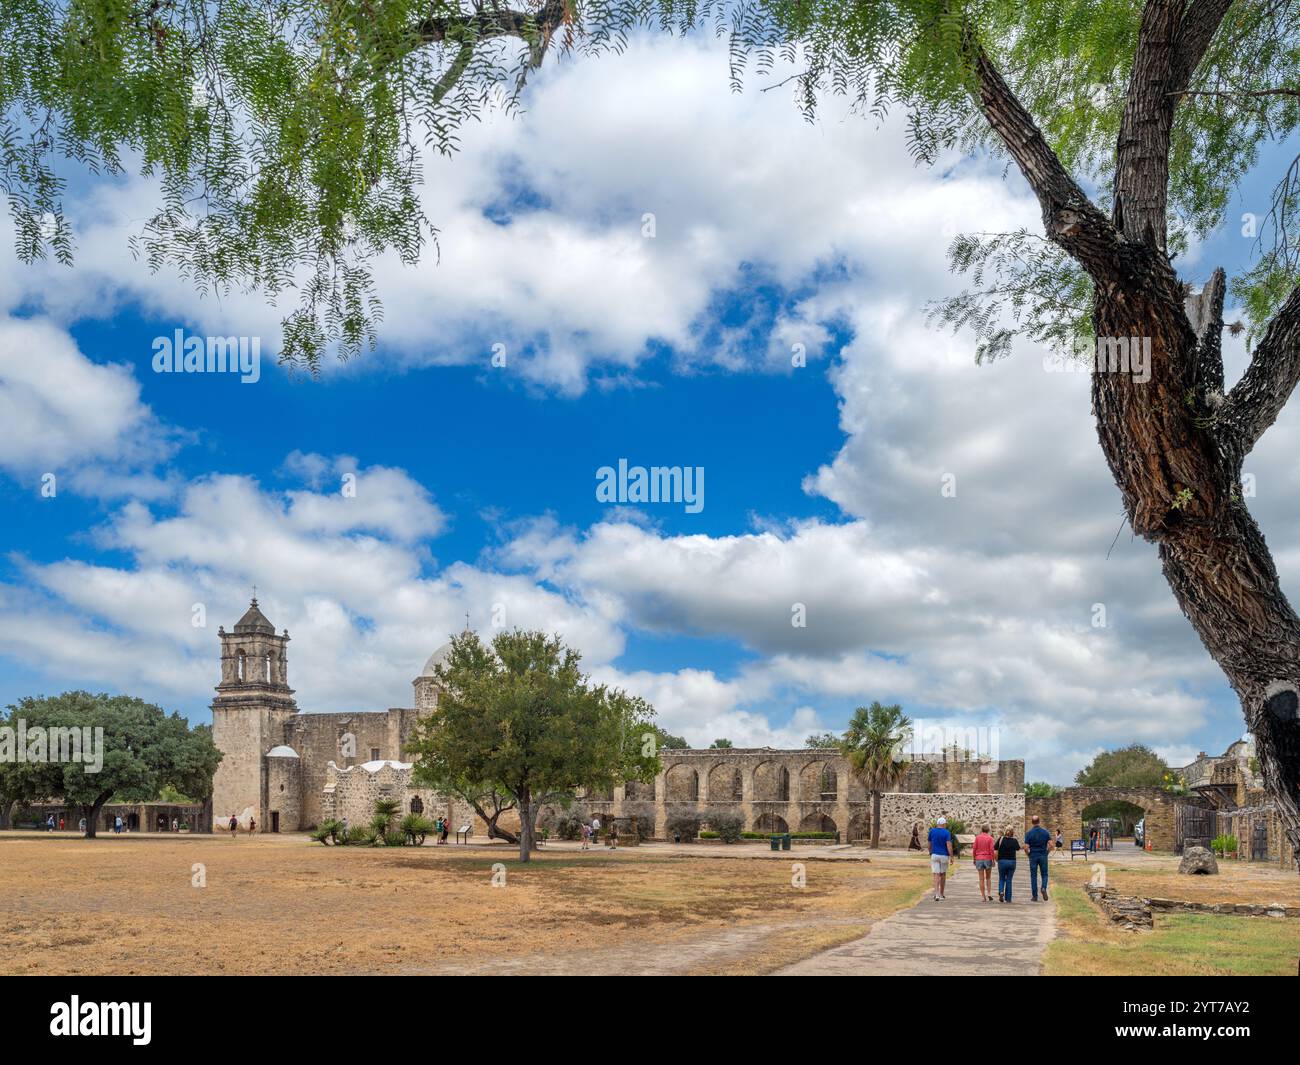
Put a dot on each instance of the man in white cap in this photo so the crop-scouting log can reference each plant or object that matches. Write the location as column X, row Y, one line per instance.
column 940, row 856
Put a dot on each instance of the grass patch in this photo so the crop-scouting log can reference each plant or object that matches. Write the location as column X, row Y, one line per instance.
column 1189, row 944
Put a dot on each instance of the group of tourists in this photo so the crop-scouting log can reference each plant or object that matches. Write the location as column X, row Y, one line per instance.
column 441, row 828
column 985, row 851
column 589, row 833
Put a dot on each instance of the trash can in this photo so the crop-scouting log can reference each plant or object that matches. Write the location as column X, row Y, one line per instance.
column 776, row 843
column 785, row 842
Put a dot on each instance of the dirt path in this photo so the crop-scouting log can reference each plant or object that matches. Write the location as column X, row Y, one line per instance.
column 962, row 936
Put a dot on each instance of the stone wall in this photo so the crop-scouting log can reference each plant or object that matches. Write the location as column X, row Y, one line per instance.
column 805, row 791
column 318, row 739
column 900, row 812
column 1064, row 810
column 351, row 793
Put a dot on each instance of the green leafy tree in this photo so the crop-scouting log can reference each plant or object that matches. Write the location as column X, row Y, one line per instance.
column 1039, row 789
column 872, row 744
column 145, row 750
column 1134, row 766
column 669, row 742
column 822, row 741
column 519, row 715
column 720, row 745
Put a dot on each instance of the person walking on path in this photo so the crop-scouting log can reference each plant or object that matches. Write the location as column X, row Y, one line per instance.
column 982, row 853
column 1008, row 845
column 595, row 830
column 234, row 826
column 585, row 833
column 915, row 843
column 612, row 834
column 940, row 855
column 446, row 828
column 1037, row 841
column 1059, row 843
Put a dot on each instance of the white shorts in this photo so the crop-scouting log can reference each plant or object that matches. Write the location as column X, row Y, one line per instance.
column 938, row 863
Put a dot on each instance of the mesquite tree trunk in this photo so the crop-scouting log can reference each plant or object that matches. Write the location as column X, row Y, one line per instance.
column 875, row 819
column 1182, row 489
column 527, row 814
column 1176, row 442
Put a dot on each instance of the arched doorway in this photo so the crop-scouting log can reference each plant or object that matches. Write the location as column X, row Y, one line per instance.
column 818, row 823
column 770, row 822
column 681, row 784
column 1117, row 819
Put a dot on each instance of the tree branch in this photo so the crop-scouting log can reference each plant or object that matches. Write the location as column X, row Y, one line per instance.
column 1070, row 219
column 1205, row 312
column 1172, row 40
column 1256, row 400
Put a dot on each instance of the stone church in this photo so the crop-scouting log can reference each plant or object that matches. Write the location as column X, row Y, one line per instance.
column 296, row 770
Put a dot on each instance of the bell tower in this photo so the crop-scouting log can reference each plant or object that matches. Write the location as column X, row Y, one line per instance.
column 252, row 706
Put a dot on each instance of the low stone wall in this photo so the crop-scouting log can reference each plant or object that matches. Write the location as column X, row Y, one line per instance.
column 1238, row 909
column 1127, row 911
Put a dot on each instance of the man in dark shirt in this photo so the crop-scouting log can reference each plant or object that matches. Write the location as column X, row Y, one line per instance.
column 1037, row 841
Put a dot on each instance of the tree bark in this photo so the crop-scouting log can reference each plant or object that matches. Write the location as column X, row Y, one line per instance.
column 526, row 815
column 91, row 814
column 875, row 819
column 1174, row 443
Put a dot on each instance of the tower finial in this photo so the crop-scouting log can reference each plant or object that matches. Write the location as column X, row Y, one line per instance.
column 467, row 621
column 255, row 595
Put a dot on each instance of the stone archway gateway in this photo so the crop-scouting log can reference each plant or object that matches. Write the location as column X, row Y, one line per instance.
column 1064, row 810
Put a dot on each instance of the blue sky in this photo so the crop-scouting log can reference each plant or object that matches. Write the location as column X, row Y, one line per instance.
column 476, row 484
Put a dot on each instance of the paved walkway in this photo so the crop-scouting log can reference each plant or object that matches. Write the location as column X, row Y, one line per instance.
column 961, row 936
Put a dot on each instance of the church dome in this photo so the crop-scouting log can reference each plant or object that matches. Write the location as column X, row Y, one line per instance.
column 282, row 751
column 436, row 659
column 254, row 621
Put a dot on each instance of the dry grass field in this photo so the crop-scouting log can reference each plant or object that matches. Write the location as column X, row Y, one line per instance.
column 285, row 905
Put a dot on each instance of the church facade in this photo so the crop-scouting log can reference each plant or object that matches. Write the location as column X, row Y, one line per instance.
column 295, row 770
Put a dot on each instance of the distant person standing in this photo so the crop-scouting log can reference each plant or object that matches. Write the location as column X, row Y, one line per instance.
column 915, row 843
column 117, row 825
column 1037, row 840
column 1008, row 847
column 585, row 833
column 81, row 826
column 446, row 827
column 595, row 830
column 613, row 836
column 234, row 826
column 252, row 825
column 1059, row 843
column 940, row 855
column 983, row 853
column 49, row 823
column 61, row 822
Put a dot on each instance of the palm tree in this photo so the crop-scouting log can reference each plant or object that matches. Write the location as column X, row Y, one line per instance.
column 871, row 744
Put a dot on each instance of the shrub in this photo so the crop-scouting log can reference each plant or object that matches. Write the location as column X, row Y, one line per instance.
column 415, row 827
column 685, row 824
column 359, row 834
column 394, row 839
column 333, row 829
column 568, row 825
column 321, row 836
column 1223, row 844
column 727, row 825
